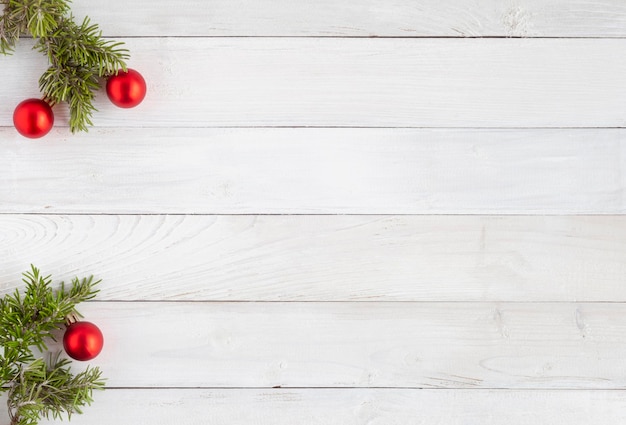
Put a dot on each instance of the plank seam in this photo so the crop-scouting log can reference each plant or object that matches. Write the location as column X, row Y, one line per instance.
column 486, row 215
column 208, row 301
column 341, row 127
column 277, row 389
column 383, row 37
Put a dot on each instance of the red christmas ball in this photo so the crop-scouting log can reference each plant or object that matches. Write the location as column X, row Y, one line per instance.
column 83, row 341
column 33, row 118
column 126, row 89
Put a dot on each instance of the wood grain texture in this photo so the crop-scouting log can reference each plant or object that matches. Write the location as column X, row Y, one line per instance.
column 413, row 345
column 510, row 309
column 362, row 18
column 324, row 258
column 251, row 82
column 351, row 407
column 313, row 171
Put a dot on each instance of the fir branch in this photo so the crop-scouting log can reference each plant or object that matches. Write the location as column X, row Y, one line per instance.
column 10, row 29
column 49, row 390
column 37, row 388
column 78, row 54
column 40, row 16
column 32, row 318
column 82, row 46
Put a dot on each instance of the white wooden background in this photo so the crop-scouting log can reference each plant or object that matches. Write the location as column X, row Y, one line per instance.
column 342, row 212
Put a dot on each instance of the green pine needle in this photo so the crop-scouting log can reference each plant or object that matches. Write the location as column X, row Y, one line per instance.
column 37, row 388
column 79, row 56
column 49, row 390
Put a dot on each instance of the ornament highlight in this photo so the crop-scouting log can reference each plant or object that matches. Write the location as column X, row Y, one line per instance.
column 126, row 89
column 33, row 118
column 83, row 341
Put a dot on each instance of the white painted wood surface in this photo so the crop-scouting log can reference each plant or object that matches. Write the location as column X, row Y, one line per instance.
column 481, row 295
column 363, row 18
column 363, row 345
column 327, row 171
column 352, row 407
column 347, row 82
column 326, row 258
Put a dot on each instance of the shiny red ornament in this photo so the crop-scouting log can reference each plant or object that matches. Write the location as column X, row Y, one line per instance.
column 83, row 341
column 126, row 89
column 33, row 118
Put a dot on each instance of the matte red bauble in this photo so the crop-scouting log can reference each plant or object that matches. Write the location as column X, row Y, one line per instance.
column 126, row 89
column 33, row 118
column 83, row 341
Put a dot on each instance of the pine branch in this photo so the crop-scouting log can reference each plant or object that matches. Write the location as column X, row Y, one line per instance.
column 82, row 45
column 78, row 54
column 40, row 16
column 10, row 29
column 50, row 390
column 31, row 319
column 37, row 388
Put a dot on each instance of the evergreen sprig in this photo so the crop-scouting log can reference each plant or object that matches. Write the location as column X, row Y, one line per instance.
column 79, row 56
column 36, row 387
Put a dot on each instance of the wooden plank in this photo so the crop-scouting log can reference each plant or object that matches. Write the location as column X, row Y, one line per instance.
column 316, row 171
column 209, row 82
column 325, row 258
column 352, row 407
column 362, row 18
column 413, row 345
